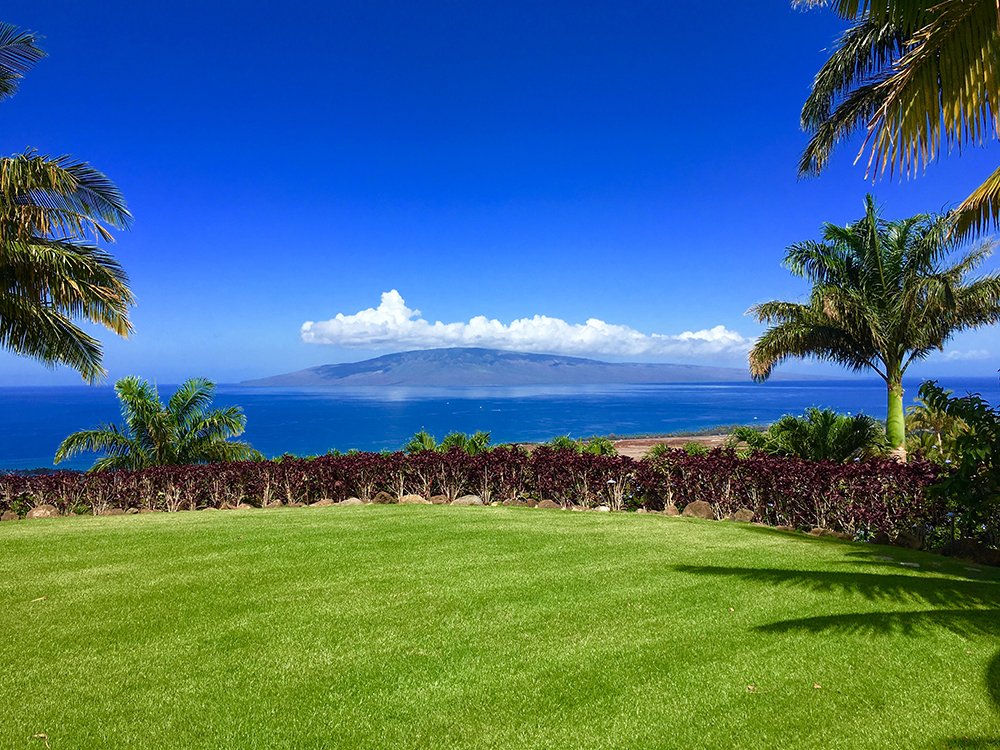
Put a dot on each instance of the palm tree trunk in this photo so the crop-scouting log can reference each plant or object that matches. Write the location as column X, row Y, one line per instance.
column 895, row 425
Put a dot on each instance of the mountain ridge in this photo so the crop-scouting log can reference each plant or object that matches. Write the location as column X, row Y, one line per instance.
column 470, row 366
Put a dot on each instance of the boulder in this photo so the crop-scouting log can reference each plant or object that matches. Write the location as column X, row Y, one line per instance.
column 296, row 505
column 384, row 498
column 468, row 500
column 514, row 502
column 671, row 510
column 275, row 504
column 972, row 551
column 602, row 509
column 549, row 505
column 744, row 515
column 908, row 540
column 817, row 531
column 784, row 528
column 113, row 512
column 244, row 506
column 9, row 515
column 210, row 507
column 439, row 499
column 322, row 503
column 836, row 534
column 699, row 509
column 414, row 500
column 529, row 502
column 150, row 510
column 881, row 538
column 641, row 510
column 43, row 511
column 353, row 501
column 131, row 511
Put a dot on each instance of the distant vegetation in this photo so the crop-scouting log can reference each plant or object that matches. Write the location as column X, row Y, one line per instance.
column 185, row 430
column 882, row 298
column 473, row 444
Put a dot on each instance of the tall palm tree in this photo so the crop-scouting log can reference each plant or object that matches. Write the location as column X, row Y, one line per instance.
column 884, row 294
column 182, row 431
column 914, row 76
column 53, row 213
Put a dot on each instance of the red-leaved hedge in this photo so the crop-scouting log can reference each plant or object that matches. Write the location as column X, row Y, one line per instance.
column 862, row 498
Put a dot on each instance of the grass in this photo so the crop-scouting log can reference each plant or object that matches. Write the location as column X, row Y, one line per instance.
column 439, row 627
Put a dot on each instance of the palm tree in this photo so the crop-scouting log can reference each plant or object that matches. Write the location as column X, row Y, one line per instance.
column 883, row 296
column 184, row 431
column 821, row 435
column 53, row 212
column 913, row 75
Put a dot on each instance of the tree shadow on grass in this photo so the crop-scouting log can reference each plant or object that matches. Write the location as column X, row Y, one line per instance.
column 969, row 608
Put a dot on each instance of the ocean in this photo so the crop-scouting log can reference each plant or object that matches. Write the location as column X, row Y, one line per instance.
column 33, row 421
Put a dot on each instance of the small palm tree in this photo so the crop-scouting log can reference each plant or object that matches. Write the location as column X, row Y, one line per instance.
column 882, row 297
column 184, row 431
column 932, row 430
column 821, row 435
column 53, row 211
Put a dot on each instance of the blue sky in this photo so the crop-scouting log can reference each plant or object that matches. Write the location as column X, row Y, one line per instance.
column 628, row 162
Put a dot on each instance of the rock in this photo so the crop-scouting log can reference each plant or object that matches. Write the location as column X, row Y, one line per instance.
column 577, row 507
column 516, row 502
column 150, row 510
column 549, row 505
column 9, row 515
column 602, row 509
column 908, row 540
column 384, row 498
column 321, row 503
column 414, row 500
column 671, row 510
column 275, row 504
column 530, row 502
column 972, row 551
column 131, row 511
column 495, row 504
column 818, row 531
column 699, row 509
column 113, row 512
column 439, row 499
column 881, row 538
column 353, row 501
column 43, row 511
column 641, row 510
column 836, row 534
column 744, row 515
column 211, row 507
column 244, row 506
column 468, row 500
column 784, row 528
column 296, row 505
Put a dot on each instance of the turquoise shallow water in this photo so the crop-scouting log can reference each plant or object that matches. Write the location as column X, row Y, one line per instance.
column 34, row 420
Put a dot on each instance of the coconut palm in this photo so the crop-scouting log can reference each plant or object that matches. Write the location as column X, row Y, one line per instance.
column 884, row 294
column 183, row 431
column 53, row 213
column 821, row 435
column 19, row 51
column 913, row 75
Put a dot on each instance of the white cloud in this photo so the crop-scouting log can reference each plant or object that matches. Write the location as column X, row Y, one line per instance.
column 956, row 355
column 393, row 325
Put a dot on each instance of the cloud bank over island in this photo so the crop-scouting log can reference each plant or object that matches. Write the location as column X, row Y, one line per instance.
column 393, row 325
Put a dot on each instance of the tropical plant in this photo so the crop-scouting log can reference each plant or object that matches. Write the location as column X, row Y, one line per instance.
column 914, row 76
column 820, row 435
column 53, row 212
column 473, row 444
column 595, row 446
column 972, row 487
column 185, row 430
column 932, row 431
column 884, row 294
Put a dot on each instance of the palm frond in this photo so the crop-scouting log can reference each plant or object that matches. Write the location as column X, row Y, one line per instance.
column 19, row 51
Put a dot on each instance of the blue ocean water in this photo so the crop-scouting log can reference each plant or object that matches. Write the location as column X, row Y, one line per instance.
column 33, row 421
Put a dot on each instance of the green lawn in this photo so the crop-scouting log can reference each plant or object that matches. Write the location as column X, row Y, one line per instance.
column 443, row 627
